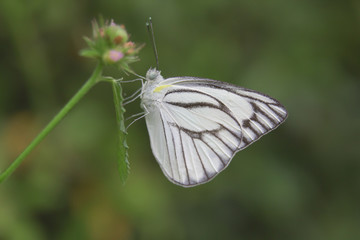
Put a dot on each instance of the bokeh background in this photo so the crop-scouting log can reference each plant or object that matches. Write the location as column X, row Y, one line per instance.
column 299, row 182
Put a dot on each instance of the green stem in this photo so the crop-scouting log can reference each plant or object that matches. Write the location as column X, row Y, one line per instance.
column 95, row 77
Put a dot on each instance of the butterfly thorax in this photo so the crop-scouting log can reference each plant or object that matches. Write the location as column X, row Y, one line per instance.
column 153, row 90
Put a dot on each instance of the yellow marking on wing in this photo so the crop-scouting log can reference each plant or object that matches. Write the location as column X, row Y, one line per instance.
column 158, row 89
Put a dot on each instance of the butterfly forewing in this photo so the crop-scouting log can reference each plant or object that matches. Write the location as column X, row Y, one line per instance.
column 257, row 113
column 197, row 125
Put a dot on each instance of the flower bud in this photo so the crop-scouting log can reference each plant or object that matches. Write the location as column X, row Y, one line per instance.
column 116, row 33
column 129, row 47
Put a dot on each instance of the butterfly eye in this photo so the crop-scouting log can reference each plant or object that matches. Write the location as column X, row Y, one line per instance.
column 152, row 75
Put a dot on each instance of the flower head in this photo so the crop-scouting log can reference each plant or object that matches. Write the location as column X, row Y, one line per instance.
column 110, row 44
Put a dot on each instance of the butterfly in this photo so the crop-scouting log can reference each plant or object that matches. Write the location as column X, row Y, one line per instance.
column 197, row 125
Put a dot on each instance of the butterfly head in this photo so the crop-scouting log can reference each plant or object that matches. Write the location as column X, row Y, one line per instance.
column 152, row 74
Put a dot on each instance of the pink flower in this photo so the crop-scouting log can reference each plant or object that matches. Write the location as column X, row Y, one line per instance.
column 115, row 55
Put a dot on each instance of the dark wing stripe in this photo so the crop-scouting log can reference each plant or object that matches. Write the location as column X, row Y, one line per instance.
column 257, row 109
column 276, row 109
column 184, row 157
column 245, row 141
column 221, row 105
column 227, row 145
column 194, row 105
column 213, row 141
column 257, row 127
column 223, row 153
column 262, row 118
column 271, row 114
column 187, row 91
column 167, row 143
column 188, row 96
column 230, row 88
column 252, row 98
column 255, row 119
column 230, row 139
column 222, row 161
column 200, row 160
column 238, row 136
column 247, row 124
column 176, row 155
column 209, row 158
column 192, row 162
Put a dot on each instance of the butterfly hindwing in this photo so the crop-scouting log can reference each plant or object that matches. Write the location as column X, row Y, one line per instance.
column 206, row 134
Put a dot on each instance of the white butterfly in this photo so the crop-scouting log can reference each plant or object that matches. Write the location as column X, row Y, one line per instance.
column 197, row 125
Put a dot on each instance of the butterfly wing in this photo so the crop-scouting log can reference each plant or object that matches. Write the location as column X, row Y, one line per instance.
column 257, row 113
column 200, row 124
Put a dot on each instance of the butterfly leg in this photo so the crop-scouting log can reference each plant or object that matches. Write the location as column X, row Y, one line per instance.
column 133, row 97
column 141, row 115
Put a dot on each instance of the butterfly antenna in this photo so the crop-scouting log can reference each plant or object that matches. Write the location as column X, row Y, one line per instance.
column 152, row 38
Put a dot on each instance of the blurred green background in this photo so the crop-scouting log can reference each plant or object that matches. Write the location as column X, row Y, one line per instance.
column 300, row 182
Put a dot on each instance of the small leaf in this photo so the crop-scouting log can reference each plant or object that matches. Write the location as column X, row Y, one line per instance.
column 89, row 53
column 122, row 151
column 89, row 42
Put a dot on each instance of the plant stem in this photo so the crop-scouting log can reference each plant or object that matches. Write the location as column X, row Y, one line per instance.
column 95, row 77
